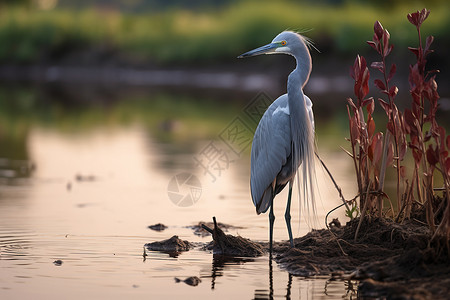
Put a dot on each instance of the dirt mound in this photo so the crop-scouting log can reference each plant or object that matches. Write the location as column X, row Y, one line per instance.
column 174, row 244
column 391, row 260
column 158, row 227
column 229, row 245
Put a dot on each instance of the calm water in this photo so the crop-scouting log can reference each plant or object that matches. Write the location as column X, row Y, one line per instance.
column 81, row 182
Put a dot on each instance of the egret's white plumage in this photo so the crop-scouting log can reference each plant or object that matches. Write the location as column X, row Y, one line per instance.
column 284, row 138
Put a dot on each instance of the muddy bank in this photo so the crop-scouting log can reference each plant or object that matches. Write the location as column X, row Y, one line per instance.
column 390, row 260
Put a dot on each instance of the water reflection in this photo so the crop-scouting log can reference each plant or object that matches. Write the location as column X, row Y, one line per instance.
column 269, row 294
column 220, row 263
column 15, row 169
column 82, row 180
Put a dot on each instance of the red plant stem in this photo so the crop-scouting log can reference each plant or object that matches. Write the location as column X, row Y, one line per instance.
column 386, row 143
column 352, row 142
column 364, row 163
column 429, row 200
column 422, row 65
column 419, row 192
column 383, row 173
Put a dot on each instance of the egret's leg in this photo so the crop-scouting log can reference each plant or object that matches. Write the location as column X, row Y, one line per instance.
column 271, row 221
column 287, row 215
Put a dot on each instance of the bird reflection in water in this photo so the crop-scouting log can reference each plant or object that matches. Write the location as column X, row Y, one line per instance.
column 268, row 294
column 220, row 262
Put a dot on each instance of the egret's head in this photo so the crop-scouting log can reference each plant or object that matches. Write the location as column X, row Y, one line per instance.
column 285, row 43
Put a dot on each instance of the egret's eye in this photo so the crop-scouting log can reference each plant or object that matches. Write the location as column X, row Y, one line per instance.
column 283, row 43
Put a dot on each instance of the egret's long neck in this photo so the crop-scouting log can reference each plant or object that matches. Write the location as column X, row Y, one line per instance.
column 300, row 75
column 301, row 125
column 302, row 131
column 298, row 78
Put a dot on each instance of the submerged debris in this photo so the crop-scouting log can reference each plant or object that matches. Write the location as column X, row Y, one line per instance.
column 192, row 281
column 158, row 227
column 227, row 244
column 174, row 244
column 144, row 255
column 58, row 262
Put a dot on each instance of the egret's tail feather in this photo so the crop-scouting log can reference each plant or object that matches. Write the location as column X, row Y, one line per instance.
column 266, row 200
column 306, row 185
column 306, row 173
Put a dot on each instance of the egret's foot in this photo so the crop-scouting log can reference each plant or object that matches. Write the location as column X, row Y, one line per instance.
column 292, row 243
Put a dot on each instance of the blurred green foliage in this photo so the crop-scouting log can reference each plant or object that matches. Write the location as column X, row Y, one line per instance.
column 169, row 116
column 172, row 117
column 183, row 36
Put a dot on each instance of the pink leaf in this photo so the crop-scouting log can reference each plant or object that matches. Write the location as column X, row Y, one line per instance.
column 424, row 13
column 418, row 17
column 390, row 127
column 378, row 30
column 370, row 126
column 372, row 44
column 412, row 18
column 389, row 50
column 370, row 104
column 392, row 72
column 380, row 84
column 365, row 83
column 354, row 128
column 385, row 106
column 415, row 51
column 393, row 91
column 376, row 148
column 410, row 120
column 378, row 65
column 432, row 157
column 390, row 155
column 386, row 37
column 350, row 102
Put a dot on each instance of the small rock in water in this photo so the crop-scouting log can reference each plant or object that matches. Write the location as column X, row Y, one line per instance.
column 58, row 262
column 172, row 244
column 158, row 227
column 192, row 281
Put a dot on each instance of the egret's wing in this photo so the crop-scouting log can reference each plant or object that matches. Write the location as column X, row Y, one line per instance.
column 271, row 148
column 309, row 109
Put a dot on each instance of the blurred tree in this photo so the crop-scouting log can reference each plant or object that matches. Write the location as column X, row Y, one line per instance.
column 147, row 5
column 14, row 2
column 391, row 3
